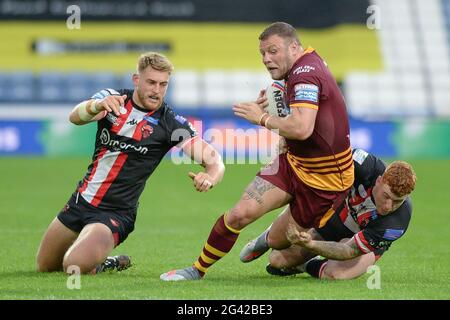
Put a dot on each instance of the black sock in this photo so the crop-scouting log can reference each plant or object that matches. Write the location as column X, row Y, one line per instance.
column 313, row 267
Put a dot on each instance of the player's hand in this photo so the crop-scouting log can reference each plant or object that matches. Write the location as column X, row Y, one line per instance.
column 262, row 97
column 202, row 181
column 111, row 104
column 251, row 111
column 294, row 236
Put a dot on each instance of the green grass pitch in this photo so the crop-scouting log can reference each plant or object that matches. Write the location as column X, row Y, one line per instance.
column 173, row 223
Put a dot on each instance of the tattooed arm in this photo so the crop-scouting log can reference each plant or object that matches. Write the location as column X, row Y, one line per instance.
column 328, row 249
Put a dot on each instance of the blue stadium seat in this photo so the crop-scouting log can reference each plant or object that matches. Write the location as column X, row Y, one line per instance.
column 18, row 86
column 79, row 86
column 4, row 94
column 52, row 87
column 103, row 80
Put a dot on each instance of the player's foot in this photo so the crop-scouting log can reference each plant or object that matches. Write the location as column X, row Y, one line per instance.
column 189, row 273
column 255, row 248
column 118, row 263
column 283, row 272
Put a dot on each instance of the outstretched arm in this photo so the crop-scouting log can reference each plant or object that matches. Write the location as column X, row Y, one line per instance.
column 328, row 249
column 96, row 109
column 204, row 154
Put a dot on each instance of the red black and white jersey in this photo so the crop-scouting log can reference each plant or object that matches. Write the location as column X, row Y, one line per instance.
column 358, row 217
column 128, row 148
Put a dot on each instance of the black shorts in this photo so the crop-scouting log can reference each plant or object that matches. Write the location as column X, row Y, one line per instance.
column 77, row 213
column 334, row 229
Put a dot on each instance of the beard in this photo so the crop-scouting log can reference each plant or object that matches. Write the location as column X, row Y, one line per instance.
column 144, row 99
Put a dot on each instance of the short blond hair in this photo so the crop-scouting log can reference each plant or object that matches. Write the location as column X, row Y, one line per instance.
column 281, row 29
column 155, row 60
column 400, row 177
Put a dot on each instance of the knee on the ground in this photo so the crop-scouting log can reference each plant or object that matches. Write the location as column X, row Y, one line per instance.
column 71, row 264
column 277, row 260
column 337, row 274
column 42, row 267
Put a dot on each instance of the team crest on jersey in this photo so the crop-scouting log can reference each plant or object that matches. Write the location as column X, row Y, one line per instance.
column 146, row 130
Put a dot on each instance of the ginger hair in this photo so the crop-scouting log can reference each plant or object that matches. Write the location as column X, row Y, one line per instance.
column 400, row 177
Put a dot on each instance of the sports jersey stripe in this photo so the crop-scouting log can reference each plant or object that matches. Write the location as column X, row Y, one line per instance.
column 112, row 175
column 356, row 200
column 361, row 245
column 94, row 169
column 105, row 164
column 336, row 167
column 128, row 129
column 313, row 163
column 325, row 171
column 363, row 216
column 304, row 105
column 325, row 158
column 343, row 214
column 333, row 180
column 351, row 224
column 322, row 268
column 122, row 119
column 137, row 135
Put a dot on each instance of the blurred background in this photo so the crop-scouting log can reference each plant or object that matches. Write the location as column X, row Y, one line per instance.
column 390, row 57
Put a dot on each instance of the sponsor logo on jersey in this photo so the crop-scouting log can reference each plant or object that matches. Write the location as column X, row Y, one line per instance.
column 309, row 92
column 304, row 69
column 132, row 122
column 151, row 120
column 180, row 119
column 393, row 234
column 359, row 156
column 116, row 145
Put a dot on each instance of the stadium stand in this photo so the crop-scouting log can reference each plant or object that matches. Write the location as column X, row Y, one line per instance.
column 414, row 40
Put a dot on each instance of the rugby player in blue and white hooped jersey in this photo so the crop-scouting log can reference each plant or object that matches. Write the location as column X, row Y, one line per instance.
column 375, row 214
column 136, row 128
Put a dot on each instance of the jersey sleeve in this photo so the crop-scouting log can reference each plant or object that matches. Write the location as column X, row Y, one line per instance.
column 106, row 92
column 367, row 167
column 378, row 236
column 110, row 92
column 182, row 131
column 307, row 88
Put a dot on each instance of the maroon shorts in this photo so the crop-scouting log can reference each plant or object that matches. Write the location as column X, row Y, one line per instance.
column 309, row 207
